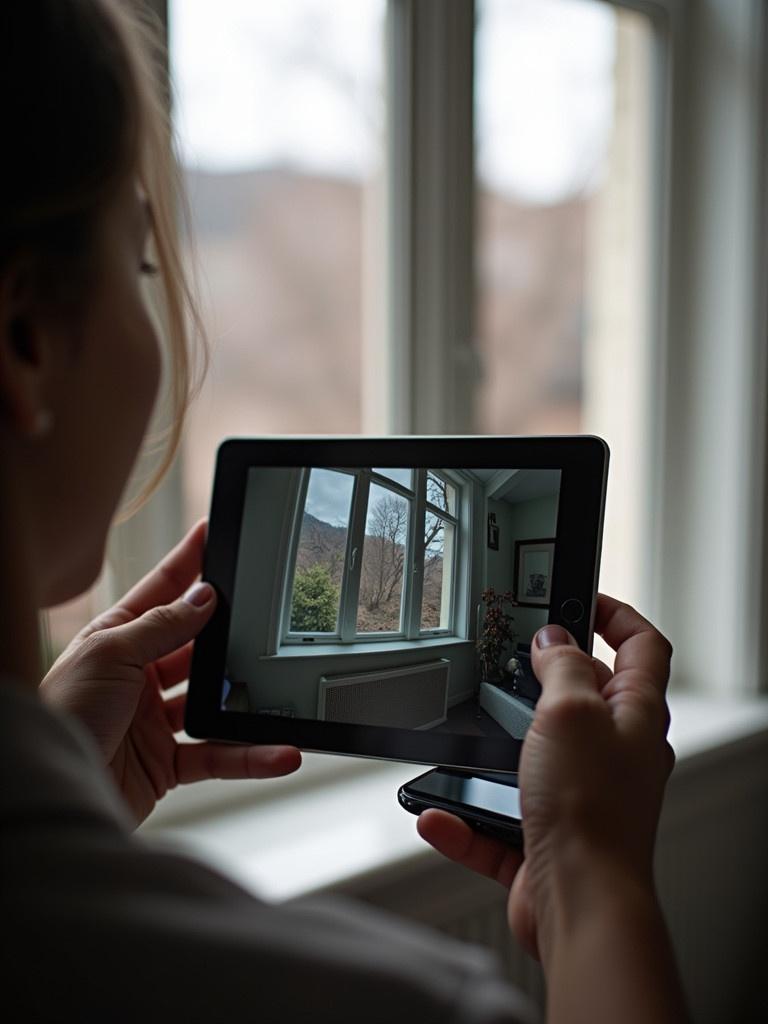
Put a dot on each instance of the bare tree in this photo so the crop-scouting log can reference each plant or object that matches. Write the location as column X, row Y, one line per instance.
column 437, row 492
column 434, row 531
column 384, row 554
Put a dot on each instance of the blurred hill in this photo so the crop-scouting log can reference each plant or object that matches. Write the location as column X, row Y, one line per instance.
column 281, row 255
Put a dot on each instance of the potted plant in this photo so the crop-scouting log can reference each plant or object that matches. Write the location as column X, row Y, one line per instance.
column 496, row 633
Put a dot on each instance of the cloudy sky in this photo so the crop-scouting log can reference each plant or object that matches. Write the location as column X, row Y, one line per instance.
column 299, row 83
column 329, row 496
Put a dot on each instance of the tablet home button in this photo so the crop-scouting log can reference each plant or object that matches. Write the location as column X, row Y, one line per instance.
column 572, row 610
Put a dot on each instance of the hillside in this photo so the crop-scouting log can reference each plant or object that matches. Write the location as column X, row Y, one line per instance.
column 323, row 544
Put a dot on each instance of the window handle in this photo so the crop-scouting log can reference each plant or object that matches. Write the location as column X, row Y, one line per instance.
column 353, row 560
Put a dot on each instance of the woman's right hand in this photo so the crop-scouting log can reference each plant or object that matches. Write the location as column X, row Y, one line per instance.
column 594, row 767
column 592, row 775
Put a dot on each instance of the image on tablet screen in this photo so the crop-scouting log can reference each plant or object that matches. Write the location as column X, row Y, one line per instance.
column 402, row 598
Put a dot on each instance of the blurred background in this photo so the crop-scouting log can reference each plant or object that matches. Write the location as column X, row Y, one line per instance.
column 497, row 216
column 287, row 149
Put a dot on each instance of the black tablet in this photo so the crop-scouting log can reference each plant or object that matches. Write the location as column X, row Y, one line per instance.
column 378, row 597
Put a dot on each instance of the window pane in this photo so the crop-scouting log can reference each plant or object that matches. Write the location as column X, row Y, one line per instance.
column 279, row 113
column 321, row 551
column 564, row 212
column 400, row 476
column 381, row 575
column 441, row 494
column 438, row 571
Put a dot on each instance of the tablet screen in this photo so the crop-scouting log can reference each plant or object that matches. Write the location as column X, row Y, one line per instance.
column 405, row 598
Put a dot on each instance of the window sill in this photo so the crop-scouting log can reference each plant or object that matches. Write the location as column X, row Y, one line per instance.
column 352, row 829
column 365, row 647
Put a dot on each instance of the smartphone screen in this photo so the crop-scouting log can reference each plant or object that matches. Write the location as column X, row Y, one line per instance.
column 470, row 791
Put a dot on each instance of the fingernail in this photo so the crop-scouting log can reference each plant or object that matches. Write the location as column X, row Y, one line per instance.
column 553, row 636
column 199, row 594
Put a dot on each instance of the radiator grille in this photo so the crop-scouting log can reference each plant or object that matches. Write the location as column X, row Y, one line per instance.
column 411, row 697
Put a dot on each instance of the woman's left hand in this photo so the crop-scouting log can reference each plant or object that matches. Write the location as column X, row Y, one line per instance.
column 113, row 678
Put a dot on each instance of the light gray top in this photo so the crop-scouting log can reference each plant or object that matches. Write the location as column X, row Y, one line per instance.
column 99, row 926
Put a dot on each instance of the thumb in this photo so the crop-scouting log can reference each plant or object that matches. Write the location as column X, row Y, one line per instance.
column 167, row 627
column 521, row 913
column 563, row 669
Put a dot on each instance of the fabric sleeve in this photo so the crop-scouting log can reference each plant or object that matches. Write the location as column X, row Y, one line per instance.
column 102, row 927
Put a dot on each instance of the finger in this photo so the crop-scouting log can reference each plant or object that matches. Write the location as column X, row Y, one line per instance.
column 562, row 668
column 170, row 577
column 604, row 674
column 161, row 630
column 453, row 838
column 114, row 616
column 522, row 915
column 641, row 671
column 198, row 761
column 638, row 644
column 174, row 711
column 174, row 667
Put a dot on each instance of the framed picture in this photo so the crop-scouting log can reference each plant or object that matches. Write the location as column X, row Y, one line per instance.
column 533, row 572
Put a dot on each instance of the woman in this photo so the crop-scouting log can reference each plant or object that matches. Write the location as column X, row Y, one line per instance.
column 101, row 926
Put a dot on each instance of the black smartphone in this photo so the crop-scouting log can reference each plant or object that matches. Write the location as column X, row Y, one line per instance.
column 488, row 801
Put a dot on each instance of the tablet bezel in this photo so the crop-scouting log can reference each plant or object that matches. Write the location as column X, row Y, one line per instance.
column 583, row 462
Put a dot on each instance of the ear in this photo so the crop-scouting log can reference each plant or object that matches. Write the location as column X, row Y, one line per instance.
column 24, row 354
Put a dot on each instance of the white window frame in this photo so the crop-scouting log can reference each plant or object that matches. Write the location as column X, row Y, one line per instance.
column 707, row 519
column 453, row 519
column 410, row 607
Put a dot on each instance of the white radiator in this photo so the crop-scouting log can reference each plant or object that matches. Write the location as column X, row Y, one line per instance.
column 409, row 697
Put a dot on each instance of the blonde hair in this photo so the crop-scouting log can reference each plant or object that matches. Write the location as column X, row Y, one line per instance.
column 159, row 176
column 89, row 106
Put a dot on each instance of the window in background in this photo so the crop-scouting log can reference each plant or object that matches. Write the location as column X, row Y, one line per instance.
column 279, row 111
column 563, row 206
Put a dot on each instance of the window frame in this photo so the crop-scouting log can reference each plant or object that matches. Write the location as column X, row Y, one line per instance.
column 454, row 519
column 710, row 300
column 349, row 597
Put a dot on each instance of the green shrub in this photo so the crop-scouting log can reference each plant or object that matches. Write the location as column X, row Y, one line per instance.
column 315, row 601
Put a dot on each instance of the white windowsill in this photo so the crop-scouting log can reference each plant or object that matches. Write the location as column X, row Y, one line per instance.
column 315, row 650
column 320, row 837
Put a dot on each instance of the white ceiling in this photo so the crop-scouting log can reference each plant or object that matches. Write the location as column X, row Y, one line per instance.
column 514, row 486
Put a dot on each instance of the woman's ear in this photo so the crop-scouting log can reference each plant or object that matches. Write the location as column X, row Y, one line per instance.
column 25, row 355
